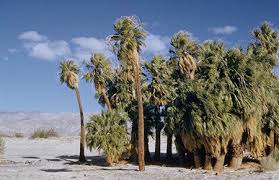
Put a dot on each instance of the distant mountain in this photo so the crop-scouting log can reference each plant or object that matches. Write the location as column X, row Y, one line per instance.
column 27, row 122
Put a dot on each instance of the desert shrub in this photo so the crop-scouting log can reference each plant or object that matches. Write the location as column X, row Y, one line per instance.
column 4, row 135
column 2, row 145
column 271, row 162
column 19, row 135
column 107, row 132
column 42, row 133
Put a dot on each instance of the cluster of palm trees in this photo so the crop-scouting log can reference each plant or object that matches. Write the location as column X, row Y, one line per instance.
column 217, row 102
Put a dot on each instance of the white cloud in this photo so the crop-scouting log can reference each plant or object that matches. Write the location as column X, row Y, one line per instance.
column 85, row 46
column 223, row 30
column 38, row 46
column 32, row 36
column 156, row 44
column 49, row 50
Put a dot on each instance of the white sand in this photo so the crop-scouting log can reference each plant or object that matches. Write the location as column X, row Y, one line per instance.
column 52, row 159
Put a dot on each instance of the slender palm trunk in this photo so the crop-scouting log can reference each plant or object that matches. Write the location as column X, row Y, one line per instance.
column 136, row 67
column 82, row 129
column 134, row 141
column 106, row 99
column 169, row 146
column 158, row 136
column 146, row 149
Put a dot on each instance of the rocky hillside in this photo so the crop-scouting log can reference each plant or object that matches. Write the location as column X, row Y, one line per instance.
column 27, row 122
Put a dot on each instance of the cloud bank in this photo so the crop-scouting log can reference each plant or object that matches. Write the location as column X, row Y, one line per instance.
column 39, row 46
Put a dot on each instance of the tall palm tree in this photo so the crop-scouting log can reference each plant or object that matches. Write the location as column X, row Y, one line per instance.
column 161, row 92
column 127, row 42
column 99, row 73
column 68, row 73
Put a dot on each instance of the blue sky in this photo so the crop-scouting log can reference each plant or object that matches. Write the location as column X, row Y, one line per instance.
column 37, row 34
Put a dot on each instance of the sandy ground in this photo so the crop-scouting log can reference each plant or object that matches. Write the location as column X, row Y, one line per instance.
column 54, row 159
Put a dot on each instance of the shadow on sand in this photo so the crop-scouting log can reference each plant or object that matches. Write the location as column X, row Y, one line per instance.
column 30, row 157
column 91, row 160
column 56, row 170
column 101, row 161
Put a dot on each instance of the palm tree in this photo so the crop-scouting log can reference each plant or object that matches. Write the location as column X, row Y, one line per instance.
column 107, row 132
column 127, row 42
column 162, row 92
column 184, row 50
column 99, row 72
column 68, row 73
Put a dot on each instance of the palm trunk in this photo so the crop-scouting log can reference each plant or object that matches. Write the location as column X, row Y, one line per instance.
column 137, row 77
column 207, row 163
column 158, row 136
column 106, row 99
column 197, row 159
column 134, row 142
column 146, row 148
column 180, row 149
column 169, row 146
column 82, row 129
column 237, row 156
column 219, row 165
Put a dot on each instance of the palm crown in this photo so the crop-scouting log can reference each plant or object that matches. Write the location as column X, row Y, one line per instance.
column 68, row 73
column 183, row 50
column 100, row 71
column 129, row 36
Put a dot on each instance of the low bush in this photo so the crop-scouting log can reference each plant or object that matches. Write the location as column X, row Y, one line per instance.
column 2, row 145
column 19, row 135
column 41, row 133
column 107, row 132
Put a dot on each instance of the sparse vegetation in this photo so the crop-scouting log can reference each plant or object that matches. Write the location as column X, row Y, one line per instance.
column 42, row 133
column 2, row 145
column 19, row 135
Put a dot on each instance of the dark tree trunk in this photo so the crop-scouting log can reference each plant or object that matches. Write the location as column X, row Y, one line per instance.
column 169, row 146
column 207, row 162
column 134, row 141
column 146, row 148
column 197, row 159
column 158, row 136
column 219, row 165
column 106, row 99
column 237, row 156
column 82, row 129
column 137, row 77
column 180, row 149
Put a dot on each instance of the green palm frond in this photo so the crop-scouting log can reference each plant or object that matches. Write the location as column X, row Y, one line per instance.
column 68, row 73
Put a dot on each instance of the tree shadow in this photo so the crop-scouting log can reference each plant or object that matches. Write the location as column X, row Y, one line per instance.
column 54, row 160
column 30, row 157
column 56, row 170
column 91, row 160
column 101, row 161
column 117, row 169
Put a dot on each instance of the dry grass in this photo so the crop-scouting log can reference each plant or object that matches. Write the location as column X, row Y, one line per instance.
column 271, row 162
column 19, row 135
column 42, row 133
column 2, row 145
column 4, row 135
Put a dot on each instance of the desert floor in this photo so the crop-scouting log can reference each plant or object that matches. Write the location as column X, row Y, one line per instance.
column 54, row 159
